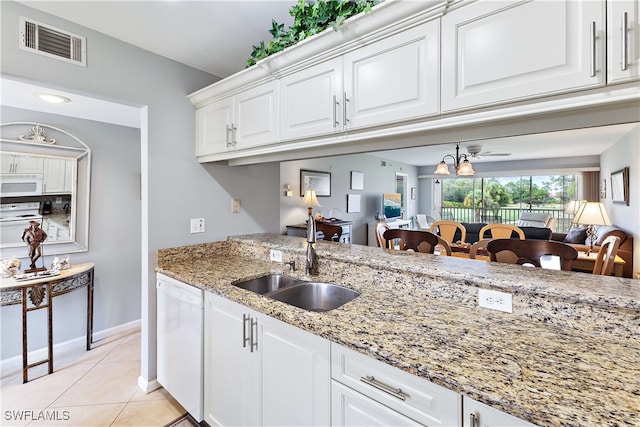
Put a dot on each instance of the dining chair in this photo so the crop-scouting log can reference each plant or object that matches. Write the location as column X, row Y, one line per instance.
column 381, row 227
column 330, row 232
column 445, row 245
column 501, row 231
column 606, row 256
column 447, row 230
column 514, row 251
column 479, row 245
column 411, row 240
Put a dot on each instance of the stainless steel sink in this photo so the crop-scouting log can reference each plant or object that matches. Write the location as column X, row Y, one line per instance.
column 312, row 296
column 315, row 296
column 266, row 284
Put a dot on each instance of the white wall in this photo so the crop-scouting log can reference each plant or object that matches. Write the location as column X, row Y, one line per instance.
column 625, row 153
column 378, row 179
column 175, row 187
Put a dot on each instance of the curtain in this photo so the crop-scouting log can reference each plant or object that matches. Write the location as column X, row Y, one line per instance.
column 589, row 186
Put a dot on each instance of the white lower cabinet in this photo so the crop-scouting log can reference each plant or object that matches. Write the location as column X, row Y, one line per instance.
column 367, row 391
column 261, row 371
column 476, row 414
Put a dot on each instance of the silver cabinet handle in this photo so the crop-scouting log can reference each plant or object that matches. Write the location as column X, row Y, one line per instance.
column 254, row 338
column 345, row 119
column 245, row 338
column 623, row 30
column 395, row 392
column 592, row 35
column 473, row 420
column 335, row 114
column 233, row 135
column 227, row 131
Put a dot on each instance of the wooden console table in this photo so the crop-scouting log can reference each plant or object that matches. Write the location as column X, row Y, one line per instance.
column 37, row 294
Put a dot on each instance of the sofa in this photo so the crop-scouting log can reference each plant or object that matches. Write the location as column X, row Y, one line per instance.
column 473, row 231
column 577, row 238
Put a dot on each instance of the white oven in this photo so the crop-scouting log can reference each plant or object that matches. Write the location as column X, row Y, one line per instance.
column 15, row 184
column 14, row 218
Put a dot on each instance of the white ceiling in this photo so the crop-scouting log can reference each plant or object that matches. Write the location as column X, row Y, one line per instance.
column 217, row 36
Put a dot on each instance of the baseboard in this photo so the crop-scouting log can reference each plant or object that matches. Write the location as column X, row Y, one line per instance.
column 73, row 345
column 148, row 386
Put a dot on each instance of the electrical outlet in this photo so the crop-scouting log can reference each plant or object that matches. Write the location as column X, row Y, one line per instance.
column 495, row 300
column 235, row 206
column 275, row 255
column 197, row 225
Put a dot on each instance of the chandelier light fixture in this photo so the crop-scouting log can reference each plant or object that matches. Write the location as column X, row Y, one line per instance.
column 462, row 167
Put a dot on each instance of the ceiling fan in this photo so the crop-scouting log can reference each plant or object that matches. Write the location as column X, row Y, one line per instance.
column 475, row 152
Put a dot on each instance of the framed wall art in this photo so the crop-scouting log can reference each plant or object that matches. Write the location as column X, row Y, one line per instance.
column 357, row 180
column 603, row 189
column 315, row 180
column 620, row 187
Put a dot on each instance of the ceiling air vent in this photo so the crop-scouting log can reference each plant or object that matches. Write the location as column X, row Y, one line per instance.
column 52, row 42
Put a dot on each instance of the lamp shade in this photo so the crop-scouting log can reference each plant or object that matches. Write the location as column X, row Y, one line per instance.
column 572, row 207
column 442, row 169
column 591, row 213
column 310, row 199
column 465, row 169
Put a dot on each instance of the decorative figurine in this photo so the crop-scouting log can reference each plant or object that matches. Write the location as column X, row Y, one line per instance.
column 34, row 236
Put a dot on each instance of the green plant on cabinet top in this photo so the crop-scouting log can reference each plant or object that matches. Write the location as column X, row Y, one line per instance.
column 309, row 19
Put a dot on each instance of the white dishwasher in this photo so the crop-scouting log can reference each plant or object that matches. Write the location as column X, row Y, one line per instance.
column 180, row 343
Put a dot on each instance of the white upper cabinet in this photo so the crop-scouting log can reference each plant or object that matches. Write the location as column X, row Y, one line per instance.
column 394, row 79
column 391, row 80
column 623, row 41
column 248, row 119
column 309, row 101
column 58, row 175
column 25, row 164
column 500, row 51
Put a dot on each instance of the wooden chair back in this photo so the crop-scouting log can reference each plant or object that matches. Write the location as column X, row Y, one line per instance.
column 411, row 240
column 330, row 232
column 606, row 256
column 445, row 245
column 501, row 231
column 447, row 230
column 515, row 251
column 381, row 227
column 479, row 245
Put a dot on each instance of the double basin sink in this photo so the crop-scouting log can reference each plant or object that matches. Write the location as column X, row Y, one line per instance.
column 312, row 296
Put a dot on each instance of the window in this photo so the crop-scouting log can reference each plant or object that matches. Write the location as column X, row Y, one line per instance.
column 502, row 199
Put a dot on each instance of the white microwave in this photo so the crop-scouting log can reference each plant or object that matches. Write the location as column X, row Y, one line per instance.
column 14, row 185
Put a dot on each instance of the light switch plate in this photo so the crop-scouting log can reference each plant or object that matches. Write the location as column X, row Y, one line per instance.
column 495, row 300
column 197, row 225
column 235, row 206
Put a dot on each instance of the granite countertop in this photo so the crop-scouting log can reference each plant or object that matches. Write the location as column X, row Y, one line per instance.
column 569, row 354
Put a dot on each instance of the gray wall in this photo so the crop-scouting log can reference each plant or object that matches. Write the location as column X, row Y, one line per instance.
column 378, row 179
column 175, row 187
column 114, row 236
column 625, row 153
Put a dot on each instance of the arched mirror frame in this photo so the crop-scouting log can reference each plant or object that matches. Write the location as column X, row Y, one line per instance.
column 44, row 140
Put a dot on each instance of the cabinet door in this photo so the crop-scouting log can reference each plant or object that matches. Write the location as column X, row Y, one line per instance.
column 497, row 52
column 232, row 371
column 623, row 38
column 213, row 127
column 256, row 117
column 394, row 79
column 296, row 376
column 56, row 176
column 349, row 408
column 310, row 101
column 12, row 163
column 476, row 414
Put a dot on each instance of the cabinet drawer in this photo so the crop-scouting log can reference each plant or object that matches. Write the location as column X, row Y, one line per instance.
column 414, row 397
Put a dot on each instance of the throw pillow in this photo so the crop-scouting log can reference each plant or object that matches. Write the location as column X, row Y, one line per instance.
column 577, row 235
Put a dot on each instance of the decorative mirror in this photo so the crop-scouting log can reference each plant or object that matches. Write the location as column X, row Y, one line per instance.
column 44, row 177
column 620, row 186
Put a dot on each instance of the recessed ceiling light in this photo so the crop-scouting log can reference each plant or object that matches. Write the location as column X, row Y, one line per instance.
column 54, row 99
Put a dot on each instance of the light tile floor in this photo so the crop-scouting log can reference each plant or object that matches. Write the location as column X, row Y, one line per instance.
column 88, row 388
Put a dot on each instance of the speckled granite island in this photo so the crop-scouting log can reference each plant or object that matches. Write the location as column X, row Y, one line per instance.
column 569, row 353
